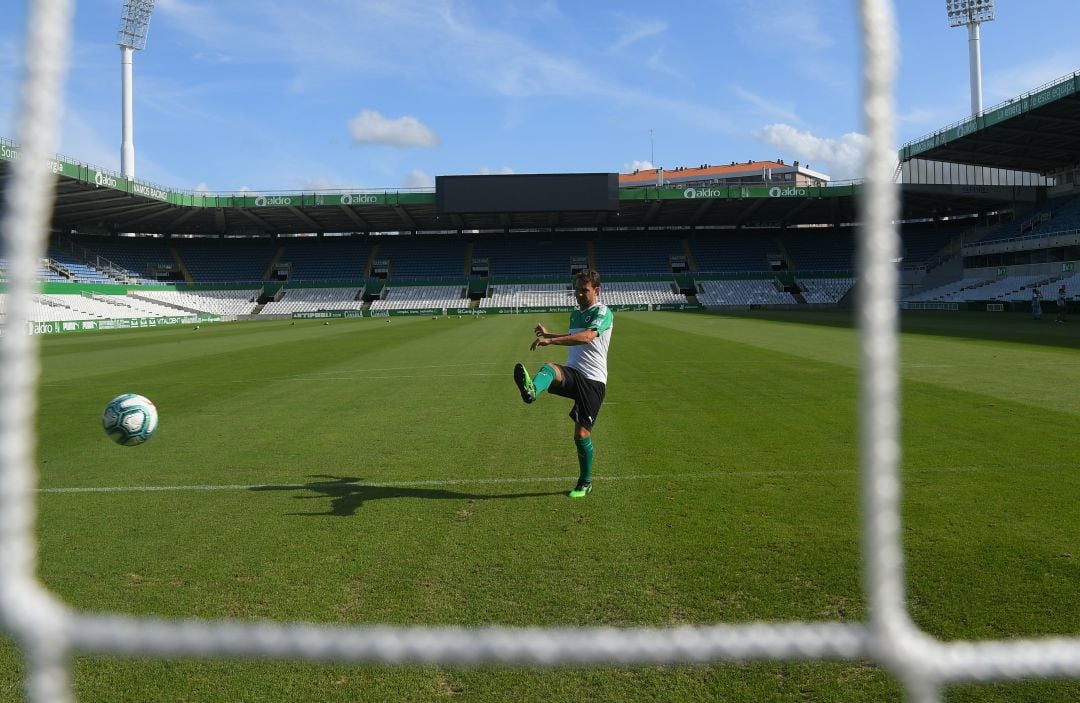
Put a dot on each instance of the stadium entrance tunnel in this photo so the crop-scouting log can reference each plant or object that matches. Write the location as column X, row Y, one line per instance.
column 271, row 292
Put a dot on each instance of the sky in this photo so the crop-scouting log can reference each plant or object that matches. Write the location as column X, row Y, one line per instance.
column 281, row 95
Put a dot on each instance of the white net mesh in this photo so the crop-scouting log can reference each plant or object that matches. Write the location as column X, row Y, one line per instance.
column 47, row 632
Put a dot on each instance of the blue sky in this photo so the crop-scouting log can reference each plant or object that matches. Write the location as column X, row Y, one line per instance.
column 284, row 95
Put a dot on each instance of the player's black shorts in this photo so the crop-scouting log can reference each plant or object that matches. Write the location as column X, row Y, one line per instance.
column 587, row 394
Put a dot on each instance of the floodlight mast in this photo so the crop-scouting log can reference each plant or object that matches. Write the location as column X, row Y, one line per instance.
column 132, row 38
column 971, row 13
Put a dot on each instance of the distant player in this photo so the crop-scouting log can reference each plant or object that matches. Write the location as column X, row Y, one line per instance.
column 1062, row 300
column 1036, row 304
column 583, row 378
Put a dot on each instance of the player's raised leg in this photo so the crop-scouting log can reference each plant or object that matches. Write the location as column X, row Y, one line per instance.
column 524, row 383
column 531, row 387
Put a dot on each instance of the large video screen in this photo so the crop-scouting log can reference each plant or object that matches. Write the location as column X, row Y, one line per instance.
column 553, row 192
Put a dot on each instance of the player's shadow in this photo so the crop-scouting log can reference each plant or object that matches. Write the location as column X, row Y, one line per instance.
column 347, row 494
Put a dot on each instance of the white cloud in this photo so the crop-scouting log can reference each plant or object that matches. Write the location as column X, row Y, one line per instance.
column 370, row 127
column 486, row 171
column 417, row 179
column 202, row 188
column 842, row 158
column 637, row 165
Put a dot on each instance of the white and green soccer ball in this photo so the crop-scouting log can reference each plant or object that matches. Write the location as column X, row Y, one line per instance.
column 130, row 419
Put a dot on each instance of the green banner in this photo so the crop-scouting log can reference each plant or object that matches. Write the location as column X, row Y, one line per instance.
column 124, row 323
column 404, row 313
column 323, row 314
column 678, row 306
column 326, row 199
column 722, row 192
column 528, row 310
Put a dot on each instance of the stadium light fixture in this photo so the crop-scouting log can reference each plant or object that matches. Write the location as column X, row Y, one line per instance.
column 132, row 38
column 972, row 13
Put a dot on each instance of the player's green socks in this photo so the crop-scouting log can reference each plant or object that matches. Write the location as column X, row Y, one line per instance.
column 543, row 378
column 584, row 457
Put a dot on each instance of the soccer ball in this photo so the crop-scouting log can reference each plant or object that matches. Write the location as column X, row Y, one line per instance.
column 130, row 419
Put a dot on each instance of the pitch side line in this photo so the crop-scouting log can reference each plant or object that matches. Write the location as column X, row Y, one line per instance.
column 498, row 481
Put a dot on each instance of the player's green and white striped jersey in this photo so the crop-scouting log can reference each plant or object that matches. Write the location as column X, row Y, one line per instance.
column 591, row 359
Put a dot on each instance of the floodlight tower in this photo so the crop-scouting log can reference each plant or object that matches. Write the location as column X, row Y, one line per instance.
column 972, row 13
column 133, row 25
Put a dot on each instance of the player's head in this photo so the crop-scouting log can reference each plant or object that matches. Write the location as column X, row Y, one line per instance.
column 586, row 288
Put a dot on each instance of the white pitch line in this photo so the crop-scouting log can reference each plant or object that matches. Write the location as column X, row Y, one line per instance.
column 535, row 479
column 374, row 484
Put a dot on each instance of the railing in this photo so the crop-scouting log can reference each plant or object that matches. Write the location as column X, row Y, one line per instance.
column 1003, row 103
column 1025, row 238
column 97, row 261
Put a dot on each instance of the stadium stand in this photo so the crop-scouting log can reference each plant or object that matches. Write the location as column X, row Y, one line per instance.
column 624, row 254
column 511, row 295
column 51, row 308
column 826, row 290
column 820, row 248
column 422, row 259
column 640, row 293
column 1048, row 217
column 945, row 292
column 314, row 299
column 742, row 293
column 325, row 259
column 47, row 273
column 80, row 271
column 420, row 297
column 1047, row 285
column 217, row 302
column 732, row 251
column 227, row 260
column 509, row 258
column 978, row 289
column 921, row 242
column 135, row 255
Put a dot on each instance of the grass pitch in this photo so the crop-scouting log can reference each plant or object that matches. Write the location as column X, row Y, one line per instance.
column 372, row 472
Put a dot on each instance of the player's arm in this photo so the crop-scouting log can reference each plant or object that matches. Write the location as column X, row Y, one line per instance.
column 585, row 336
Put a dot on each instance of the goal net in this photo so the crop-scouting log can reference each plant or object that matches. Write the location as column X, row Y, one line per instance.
column 48, row 632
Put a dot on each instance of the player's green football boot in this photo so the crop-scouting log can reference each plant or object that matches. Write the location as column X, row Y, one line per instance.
column 524, row 383
column 581, row 490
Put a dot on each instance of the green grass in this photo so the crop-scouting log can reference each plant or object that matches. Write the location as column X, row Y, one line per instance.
column 401, row 480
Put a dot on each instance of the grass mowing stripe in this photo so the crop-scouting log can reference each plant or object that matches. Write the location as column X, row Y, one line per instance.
column 688, row 524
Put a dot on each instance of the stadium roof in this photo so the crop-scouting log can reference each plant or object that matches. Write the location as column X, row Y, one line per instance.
column 93, row 200
column 1037, row 132
column 88, row 207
